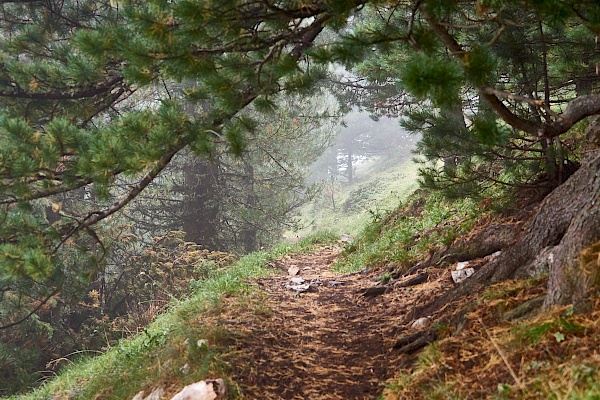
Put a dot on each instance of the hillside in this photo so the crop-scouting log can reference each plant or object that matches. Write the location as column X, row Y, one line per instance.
column 334, row 320
column 155, row 152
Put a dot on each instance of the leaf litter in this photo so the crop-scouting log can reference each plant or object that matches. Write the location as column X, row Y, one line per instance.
column 335, row 343
column 331, row 343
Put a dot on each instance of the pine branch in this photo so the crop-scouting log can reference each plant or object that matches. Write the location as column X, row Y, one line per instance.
column 46, row 193
column 25, row 318
column 486, row 92
column 64, row 95
column 97, row 216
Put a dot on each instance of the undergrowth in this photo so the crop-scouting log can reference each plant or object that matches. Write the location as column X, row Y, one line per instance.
column 554, row 355
column 423, row 223
column 347, row 208
column 179, row 347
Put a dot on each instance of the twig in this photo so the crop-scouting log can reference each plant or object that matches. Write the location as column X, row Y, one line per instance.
column 499, row 350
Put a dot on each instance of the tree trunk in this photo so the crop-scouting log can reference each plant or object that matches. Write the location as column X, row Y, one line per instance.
column 350, row 166
column 567, row 221
column 248, row 231
column 201, row 205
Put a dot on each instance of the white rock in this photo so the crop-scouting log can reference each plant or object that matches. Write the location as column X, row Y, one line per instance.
column 461, row 274
column 155, row 395
column 345, row 238
column 421, row 323
column 203, row 390
column 461, row 265
column 185, row 369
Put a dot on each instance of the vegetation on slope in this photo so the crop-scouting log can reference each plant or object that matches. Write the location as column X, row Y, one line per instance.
column 177, row 341
column 490, row 346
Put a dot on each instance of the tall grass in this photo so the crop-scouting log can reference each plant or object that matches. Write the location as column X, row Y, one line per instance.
column 352, row 206
column 422, row 223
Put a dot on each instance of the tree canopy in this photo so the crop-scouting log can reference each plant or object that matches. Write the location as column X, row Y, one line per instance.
column 69, row 70
column 496, row 88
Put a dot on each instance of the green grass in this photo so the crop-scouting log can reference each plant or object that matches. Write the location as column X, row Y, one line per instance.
column 178, row 337
column 353, row 206
column 402, row 238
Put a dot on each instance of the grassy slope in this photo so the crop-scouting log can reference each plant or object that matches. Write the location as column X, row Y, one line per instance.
column 553, row 355
column 354, row 206
column 184, row 335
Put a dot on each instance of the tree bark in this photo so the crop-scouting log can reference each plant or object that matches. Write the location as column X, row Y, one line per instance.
column 201, row 205
column 566, row 223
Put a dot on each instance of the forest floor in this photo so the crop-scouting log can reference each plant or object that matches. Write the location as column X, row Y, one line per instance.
column 336, row 341
column 329, row 342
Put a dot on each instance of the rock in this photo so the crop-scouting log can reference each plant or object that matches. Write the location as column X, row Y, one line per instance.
column 307, row 287
column 421, row 323
column 344, row 238
column 293, row 270
column 462, row 265
column 462, row 272
column 155, row 395
column 297, row 281
column 185, row 369
column 203, row 390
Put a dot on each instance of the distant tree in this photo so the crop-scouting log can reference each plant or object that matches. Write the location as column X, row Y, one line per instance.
column 362, row 138
column 484, row 87
column 248, row 200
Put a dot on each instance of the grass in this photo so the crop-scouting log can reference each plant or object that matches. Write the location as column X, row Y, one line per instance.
column 180, row 347
column 407, row 234
column 346, row 209
column 554, row 355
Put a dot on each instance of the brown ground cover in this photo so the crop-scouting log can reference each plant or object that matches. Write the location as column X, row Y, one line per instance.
column 333, row 343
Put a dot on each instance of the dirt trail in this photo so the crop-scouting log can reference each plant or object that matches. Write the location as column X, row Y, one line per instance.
column 333, row 343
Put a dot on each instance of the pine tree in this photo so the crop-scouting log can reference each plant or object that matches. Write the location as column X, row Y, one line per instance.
column 509, row 74
column 66, row 67
column 523, row 72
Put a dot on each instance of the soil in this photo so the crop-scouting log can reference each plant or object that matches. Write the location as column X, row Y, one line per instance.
column 333, row 343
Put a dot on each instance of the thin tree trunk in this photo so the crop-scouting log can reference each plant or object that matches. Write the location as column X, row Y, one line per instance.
column 201, row 206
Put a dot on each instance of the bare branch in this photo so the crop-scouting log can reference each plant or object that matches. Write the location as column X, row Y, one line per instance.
column 25, row 318
column 66, row 95
column 577, row 109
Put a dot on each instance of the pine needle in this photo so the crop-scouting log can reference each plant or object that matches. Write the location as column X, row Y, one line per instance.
column 503, row 356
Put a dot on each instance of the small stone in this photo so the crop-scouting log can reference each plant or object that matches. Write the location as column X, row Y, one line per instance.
column 421, row 323
column 344, row 238
column 462, row 265
column 203, row 390
column 155, row 395
column 297, row 281
column 185, row 369
column 460, row 275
